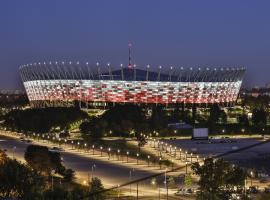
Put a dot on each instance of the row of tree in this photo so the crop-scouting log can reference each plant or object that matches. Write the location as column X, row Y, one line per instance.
column 129, row 120
column 32, row 180
column 43, row 120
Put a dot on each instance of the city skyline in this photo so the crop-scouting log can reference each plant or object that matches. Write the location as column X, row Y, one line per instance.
column 180, row 34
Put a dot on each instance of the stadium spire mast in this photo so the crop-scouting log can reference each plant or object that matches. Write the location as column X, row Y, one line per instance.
column 130, row 66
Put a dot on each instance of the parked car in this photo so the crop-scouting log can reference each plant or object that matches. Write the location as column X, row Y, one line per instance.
column 184, row 191
column 253, row 190
column 57, row 149
column 235, row 196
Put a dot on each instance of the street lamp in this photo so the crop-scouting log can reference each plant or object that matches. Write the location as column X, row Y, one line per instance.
column 109, row 153
column 93, row 148
column 166, row 185
column 148, row 159
column 175, row 151
column 159, row 162
column 13, row 150
column 191, row 155
column 85, row 146
column 127, row 155
column 186, row 167
column 93, row 167
column 118, row 153
column 101, row 150
column 138, row 158
column 59, row 142
column 180, row 151
column 186, row 155
column 197, row 158
column 251, row 175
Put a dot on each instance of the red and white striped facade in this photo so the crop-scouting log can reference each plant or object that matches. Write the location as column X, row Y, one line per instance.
column 132, row 91
column 122, row 86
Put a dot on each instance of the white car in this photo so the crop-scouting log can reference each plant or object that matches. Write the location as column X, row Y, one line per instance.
column 184, row 191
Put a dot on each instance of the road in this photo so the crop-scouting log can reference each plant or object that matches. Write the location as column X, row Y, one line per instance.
column 111, row 173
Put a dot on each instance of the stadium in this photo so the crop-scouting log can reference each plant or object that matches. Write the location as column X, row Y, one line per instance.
column 55, row 83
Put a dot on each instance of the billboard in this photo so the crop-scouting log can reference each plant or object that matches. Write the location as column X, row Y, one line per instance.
column 200, row 133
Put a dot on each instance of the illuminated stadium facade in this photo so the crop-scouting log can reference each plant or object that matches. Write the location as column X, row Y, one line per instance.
column 55, row 83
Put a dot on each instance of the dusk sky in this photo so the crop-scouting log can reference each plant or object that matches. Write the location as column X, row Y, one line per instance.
column 163, row 32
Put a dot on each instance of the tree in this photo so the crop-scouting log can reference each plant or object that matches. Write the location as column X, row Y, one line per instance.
column 69, row 175
column 259, row 118
column 43, row 120
column 141, row 140
column 243, row 120
column 93, row 129
column 59, row 193
column 19, row 181
column 95, row 189
column 3, row 157
column 188, row 180
column 218, row 178
column 215, row 113
column 158, row 119
column 43, row 160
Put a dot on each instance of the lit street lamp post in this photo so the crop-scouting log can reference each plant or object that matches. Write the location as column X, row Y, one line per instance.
column 148, row 157
column 186, row 167
column 166, row 184
column 101, row 151
column 13, row 151
column 93, row 148
column 93, row 167
column 109, row 153
column 138, row 158
column 180, row 151
column 118, row 153
column 78, row 146
column 251, row 175
column 127, row 156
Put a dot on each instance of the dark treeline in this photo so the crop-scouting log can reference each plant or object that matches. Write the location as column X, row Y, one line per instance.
column 43, row 120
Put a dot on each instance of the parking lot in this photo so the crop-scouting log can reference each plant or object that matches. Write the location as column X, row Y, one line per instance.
column 256, row 158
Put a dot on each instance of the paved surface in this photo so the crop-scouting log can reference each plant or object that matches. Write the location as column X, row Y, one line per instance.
column 112, row 173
